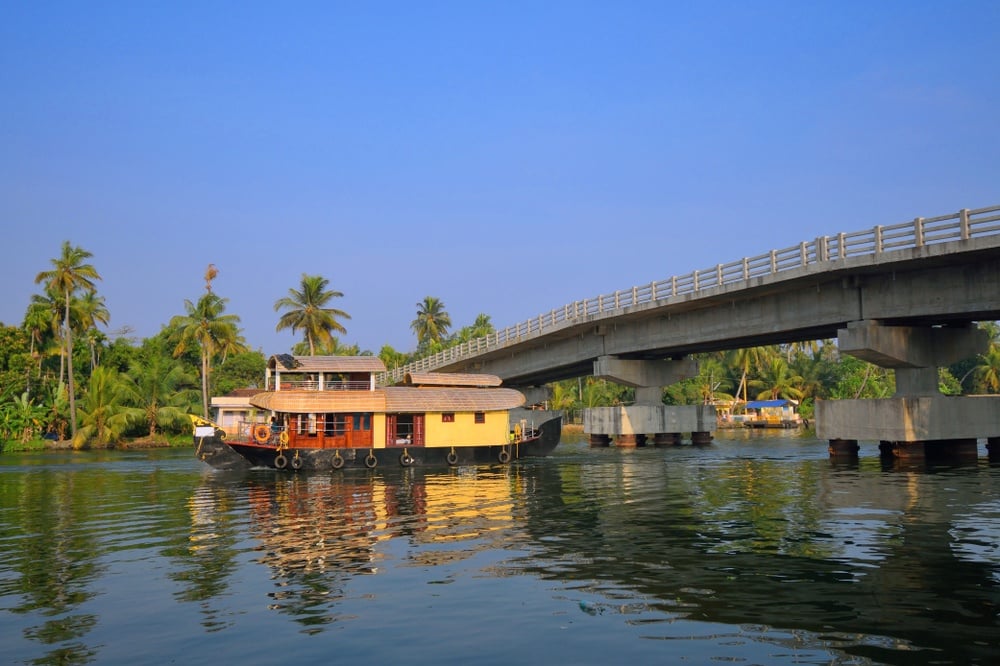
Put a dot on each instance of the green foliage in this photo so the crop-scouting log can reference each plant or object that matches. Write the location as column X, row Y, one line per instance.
column 431, row 325
column 207, row 328
column 163, row 390
column 240, row 371
column 392, row 358
column 21, row 420
column 70, row 276
column 104, row 412
column 307, row 311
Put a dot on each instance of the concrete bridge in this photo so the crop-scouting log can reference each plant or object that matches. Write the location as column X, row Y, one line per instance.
column 903, row 296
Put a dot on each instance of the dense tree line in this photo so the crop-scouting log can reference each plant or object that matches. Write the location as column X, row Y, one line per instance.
column 61, row 377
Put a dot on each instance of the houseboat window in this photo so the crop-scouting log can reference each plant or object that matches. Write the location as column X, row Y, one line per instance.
column 404, row 429
column 312, row 424
column 480, row 417
column 363, row 421
column 336, row 424
column 448, row 417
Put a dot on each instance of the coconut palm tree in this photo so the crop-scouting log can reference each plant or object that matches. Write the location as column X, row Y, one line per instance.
column 206, row 327
column 307, row 310
column 748, row 360
column 432, row 322
column 104, row 413
column 39, row 320
column 778, row 381
column 987, row 370
column 162, row 389
column 69, row 274
column 89, row 310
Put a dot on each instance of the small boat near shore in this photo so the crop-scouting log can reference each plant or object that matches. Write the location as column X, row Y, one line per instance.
column 327, row 413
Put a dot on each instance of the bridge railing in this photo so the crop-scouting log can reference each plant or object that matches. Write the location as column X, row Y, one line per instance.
column 829, row 250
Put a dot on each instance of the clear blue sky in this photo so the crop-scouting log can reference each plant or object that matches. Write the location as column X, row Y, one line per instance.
column 506, row 157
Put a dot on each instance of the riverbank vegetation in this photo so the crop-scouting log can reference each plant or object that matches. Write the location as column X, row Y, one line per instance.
column 65, row 382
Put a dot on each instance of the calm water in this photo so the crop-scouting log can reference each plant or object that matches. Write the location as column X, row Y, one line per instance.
column 755, row 550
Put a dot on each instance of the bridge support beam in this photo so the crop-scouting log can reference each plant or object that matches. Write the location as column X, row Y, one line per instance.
column 635, row 425
column 535, row 395
column 648, row 419
column 918, row 421
column 646, row 376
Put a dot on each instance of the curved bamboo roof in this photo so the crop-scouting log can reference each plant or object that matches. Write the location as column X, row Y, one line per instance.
column 391, row 399
column 449, row 379
column 462, row 399
column 289, row 363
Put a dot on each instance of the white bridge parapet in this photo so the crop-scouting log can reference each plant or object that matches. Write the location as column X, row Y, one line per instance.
column 825, row 253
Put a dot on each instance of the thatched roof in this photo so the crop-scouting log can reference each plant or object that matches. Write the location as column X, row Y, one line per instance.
column 449, row 379
column 314, row 364
column 391, row 399
column 410, row 399
column 305, row 402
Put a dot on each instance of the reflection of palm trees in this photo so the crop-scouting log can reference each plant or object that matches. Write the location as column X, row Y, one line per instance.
column 56, row 561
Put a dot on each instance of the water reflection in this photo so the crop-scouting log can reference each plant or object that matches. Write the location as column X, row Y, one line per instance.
column 757, row 550
column 316, row 532
column 65, row 530
column 867, row 552
column 880, row 562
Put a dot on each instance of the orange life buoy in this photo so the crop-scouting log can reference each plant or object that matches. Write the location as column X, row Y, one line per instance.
column 261, row 433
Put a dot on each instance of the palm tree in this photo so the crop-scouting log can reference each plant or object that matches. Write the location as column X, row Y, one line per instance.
column 161, row 388
column 392, row 358
column 47, row 314
column 68, row 275
column 432, row 322
column 748, row 359
column 987, row 370
column 207, row 328
column 307, row 311
column 778, row 381
column 39, row 320
column 89, row 310
column 480, row 328
column 103, row 411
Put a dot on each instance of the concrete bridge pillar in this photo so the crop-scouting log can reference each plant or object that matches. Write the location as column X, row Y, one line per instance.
column 648, row 419
column 648, row 377
column 918, row 421
column 535, row 395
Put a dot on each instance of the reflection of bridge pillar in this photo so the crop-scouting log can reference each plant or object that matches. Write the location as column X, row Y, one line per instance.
column 648, row 418
column 918, row 421
column 993, row 449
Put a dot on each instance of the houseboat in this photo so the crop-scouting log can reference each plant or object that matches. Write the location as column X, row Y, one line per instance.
column 772, row 414
column 327, row 412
